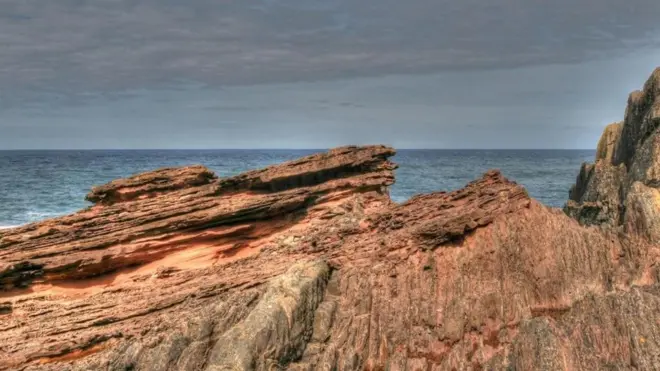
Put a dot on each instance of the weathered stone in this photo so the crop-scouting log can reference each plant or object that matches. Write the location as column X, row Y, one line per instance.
column 627, row 153
column 339, row 162
column 278, row 329
column 641, row 120
column 642, row 216
column 608, row 141
column 193, row 213
column 151, row 184
column 594, row 199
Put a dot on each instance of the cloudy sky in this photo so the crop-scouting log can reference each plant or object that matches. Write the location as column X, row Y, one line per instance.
column 319, row 73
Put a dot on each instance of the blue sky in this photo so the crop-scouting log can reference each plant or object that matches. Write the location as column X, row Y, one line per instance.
column 314, row 74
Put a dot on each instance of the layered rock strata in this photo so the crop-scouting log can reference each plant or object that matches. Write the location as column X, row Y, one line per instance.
column 309, row 265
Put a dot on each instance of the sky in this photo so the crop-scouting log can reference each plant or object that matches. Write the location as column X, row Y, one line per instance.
column 78, row 74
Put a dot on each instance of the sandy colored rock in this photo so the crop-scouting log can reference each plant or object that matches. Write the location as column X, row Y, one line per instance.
column 608, row 141
column 640, row 121
column 595, row 198
column 642, row 205
column 627, row 153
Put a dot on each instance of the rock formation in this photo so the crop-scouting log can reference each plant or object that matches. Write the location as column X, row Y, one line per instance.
column 621, row 189
column 309, row 265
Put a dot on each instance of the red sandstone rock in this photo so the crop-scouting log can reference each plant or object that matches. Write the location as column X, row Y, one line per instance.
column 308, row 265
column 183, row 213
column 150, row 184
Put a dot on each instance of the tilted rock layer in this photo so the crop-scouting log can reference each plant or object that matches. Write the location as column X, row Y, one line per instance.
column 309, row 265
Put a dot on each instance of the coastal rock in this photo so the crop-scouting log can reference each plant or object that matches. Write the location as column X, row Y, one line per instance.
column 628, row 153
column 312, row 170
column 641, row 120
column 194, row 213
column 641, row 218
column 608, row 142
column 150, row 184
column 308, row 265
column 595, row 198
column 324, row 272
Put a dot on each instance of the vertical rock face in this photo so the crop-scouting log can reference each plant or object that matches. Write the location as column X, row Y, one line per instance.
column 608, row 142
column 641, row 120
column 619, row 189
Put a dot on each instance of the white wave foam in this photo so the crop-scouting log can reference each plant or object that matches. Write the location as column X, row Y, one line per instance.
column 37, row 215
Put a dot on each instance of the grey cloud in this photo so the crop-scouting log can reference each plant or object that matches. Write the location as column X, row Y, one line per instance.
column 553, row 106
column 78, row 46
column 319, row 73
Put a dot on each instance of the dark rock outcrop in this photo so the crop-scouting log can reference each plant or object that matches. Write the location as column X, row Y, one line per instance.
column 619, row 190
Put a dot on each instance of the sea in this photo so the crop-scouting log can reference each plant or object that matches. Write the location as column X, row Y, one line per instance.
column 36, row 185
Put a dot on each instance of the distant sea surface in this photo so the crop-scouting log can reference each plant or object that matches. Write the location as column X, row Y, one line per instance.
column 36, row 185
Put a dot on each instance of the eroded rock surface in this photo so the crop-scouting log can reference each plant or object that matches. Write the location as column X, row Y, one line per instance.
column 619, row 189
column 309, row 265
column 150, row 184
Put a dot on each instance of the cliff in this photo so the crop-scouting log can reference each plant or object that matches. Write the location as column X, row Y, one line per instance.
column 620, row 191
column 308, row 265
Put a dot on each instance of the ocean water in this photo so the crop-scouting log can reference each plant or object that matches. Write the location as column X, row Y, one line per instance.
column 36, row 185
